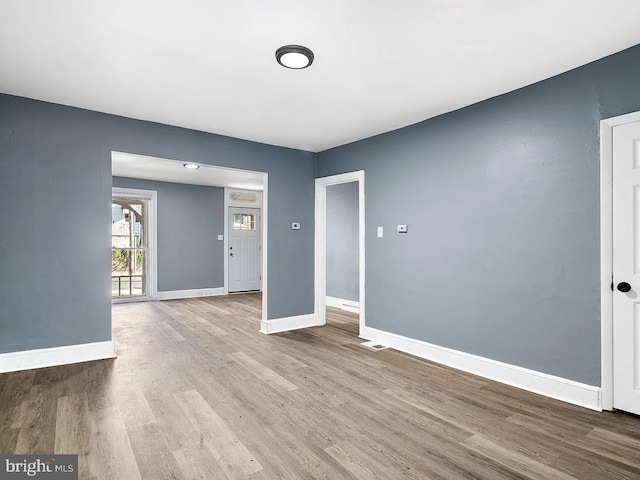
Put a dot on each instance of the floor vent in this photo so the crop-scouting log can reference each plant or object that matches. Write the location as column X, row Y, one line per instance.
column 374, row 345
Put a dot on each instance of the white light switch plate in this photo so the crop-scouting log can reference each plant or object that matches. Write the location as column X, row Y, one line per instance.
column 295, row 226
column 380, row 232
column 220, row 237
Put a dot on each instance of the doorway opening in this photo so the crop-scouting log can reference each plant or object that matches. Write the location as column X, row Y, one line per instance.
column 243, row 240
column 133, row 256
column 192, row 219
column 339, row 246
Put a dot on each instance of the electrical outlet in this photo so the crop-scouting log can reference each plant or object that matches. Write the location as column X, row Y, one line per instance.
column 402, row 229
column 295, row 226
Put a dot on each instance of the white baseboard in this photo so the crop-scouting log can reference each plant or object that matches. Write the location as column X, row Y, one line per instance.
column 197, row 292
column 341, row 303
column 559, row 388
column 285, row 324
column 52, row 357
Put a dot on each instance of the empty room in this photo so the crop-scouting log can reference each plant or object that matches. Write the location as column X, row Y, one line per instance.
column 337, row 240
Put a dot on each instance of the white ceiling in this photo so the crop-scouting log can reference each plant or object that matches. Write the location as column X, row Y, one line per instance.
column 379, row 64
column 165, row 170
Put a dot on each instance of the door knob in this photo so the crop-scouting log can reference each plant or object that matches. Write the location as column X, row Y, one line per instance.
column 624, row 287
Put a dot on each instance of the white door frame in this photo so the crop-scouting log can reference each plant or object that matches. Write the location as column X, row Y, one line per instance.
column 606, row 251
column 264, row 226
column 152, row 228
column 263, row 239
column 320, row 277
column 264, row 213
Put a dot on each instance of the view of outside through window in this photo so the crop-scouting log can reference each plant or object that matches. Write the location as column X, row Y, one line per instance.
column 128, row 247
column 244, row 221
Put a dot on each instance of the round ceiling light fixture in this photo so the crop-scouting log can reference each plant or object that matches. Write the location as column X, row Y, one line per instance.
column 191, row 166
column 295, row 57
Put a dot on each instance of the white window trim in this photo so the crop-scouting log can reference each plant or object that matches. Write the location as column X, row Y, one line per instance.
column 152, row 267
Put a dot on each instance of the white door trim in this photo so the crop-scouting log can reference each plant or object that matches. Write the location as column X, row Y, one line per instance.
column 265, row 243
column 606, row 251
column 264, row 225
column 320, row 280
column 261, row 206
column 225, row 244
column 152, row 267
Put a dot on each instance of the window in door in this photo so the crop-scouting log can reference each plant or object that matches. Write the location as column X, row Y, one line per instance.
column 244, row 221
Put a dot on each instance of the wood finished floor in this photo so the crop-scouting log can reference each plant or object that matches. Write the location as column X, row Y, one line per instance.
column 198, row 392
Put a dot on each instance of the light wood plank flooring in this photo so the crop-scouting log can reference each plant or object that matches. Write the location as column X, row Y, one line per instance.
column 198, row 392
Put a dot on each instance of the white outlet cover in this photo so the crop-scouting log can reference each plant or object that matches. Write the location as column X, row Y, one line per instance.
column 220, row 237
column 380, row 232
column 295, row 226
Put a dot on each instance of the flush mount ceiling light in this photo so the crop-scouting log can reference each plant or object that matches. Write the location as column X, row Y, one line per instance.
column 191, row 166
column 296, row 57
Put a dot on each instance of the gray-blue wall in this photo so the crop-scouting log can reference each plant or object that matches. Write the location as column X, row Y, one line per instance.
column 55, row 208
column 501, row 199
column 190, row 218
column 342, row 241
column 502, row 202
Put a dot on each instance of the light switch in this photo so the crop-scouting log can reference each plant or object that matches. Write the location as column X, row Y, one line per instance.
column 380, row 232
column 220, row 237
column 402, row 229
column 295, row 226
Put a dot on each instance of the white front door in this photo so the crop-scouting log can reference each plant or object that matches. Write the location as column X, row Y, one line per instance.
column 626, row 267
column 244, row 249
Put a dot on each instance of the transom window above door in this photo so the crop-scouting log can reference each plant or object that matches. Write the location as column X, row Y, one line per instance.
column 244, row 197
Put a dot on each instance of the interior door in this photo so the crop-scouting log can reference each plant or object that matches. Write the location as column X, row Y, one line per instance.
column 626, row 267
column 244, row 249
